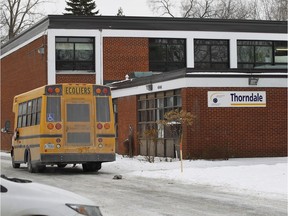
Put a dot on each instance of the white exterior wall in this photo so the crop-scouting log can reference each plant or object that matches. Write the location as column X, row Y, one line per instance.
column 201, row 82
column 188, row 35
column 51, row 61
column 99, row 34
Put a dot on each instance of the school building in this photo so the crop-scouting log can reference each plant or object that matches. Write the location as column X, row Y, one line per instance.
column 231, row 75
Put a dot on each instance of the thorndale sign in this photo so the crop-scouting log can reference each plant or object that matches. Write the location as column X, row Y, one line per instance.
column 236, row 99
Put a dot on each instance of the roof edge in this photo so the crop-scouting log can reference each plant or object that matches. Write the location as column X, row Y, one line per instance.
column 191, row 72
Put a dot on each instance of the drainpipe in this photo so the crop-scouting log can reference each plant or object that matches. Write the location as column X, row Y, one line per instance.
column 99, row 59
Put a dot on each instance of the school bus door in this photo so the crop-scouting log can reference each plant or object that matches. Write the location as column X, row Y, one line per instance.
column 79, row 124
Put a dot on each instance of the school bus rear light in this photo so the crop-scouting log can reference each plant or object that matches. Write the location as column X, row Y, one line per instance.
column 99, row 126
column 98, row 90
column 58, row 126
column 50, row 90
column 105, row 90
column 57, row 90
column 106, row 125
column 50, row 126
column 54, row 90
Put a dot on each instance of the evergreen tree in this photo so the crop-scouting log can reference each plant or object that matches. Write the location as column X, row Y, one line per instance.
column 81, row 7
column 120, row 12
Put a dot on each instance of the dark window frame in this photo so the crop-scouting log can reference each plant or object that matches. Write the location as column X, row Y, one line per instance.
column 74, row 64
column 209, row 62
column 167, row 61
column 150, row 112
column 254, row 44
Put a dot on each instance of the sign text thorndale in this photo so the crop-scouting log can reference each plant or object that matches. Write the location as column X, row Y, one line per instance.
column 236, row 99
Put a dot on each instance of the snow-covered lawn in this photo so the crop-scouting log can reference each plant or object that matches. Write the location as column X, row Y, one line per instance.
column 261, row 176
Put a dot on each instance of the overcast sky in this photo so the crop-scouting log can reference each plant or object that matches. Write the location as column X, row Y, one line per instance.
column 106, row 7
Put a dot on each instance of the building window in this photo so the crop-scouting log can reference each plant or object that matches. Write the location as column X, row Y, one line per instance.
column 211, row 54
column 152, row 107
column 167, row 54
column 75, row 54
column 261, row 54
column 154, row 138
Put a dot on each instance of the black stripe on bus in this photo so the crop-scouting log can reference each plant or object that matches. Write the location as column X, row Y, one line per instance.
column 41, row 136
column 106, row 135
column 29, row 145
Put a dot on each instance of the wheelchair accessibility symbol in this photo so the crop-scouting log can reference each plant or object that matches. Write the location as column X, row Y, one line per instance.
column 50, row 117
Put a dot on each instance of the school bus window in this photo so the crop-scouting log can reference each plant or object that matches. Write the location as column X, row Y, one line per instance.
column 29, row 113
column 24, row 116
column 34, row 106
column 38, row 112
column 53, row 109
column 78, row 112
column 19, row 124
column 102, row 109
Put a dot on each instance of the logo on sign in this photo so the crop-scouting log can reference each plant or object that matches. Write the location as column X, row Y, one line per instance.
column 216, row 98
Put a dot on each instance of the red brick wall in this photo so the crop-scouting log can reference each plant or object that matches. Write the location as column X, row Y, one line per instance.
column 75, row 78
column 21, row 71
column 123, row 56
column 127, row 115
column 236, row 132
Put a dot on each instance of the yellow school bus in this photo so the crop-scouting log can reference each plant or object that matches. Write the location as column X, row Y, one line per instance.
column 63, row 124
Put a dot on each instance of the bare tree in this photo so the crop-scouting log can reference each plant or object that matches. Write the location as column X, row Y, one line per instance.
column 232, row 9
column 120, row 12
column 222, row 9
column 196, row 8
column 274, row 9
column 17, row 15
column 176, row 120
column 164, row 7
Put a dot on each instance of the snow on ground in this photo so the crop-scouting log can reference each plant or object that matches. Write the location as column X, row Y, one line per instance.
column 261, row 176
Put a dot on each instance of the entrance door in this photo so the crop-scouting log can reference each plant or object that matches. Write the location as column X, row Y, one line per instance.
column 79, row 124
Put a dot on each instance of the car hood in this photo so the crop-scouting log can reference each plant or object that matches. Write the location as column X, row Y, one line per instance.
column 33, row 190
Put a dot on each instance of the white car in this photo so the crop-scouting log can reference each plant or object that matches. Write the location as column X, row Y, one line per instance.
column 21, row 197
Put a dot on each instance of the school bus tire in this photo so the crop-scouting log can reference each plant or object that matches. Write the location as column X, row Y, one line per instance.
column 91, row 166
column 14, row 165
column 41, row 168
column 61, row 165
column 32, row 168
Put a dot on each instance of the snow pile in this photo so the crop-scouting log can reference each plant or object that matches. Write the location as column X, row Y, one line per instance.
column 266, row 176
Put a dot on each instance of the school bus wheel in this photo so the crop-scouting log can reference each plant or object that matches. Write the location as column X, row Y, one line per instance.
column 14, row 165
column 31, row 167
column 91, row 166
column 61, row 165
